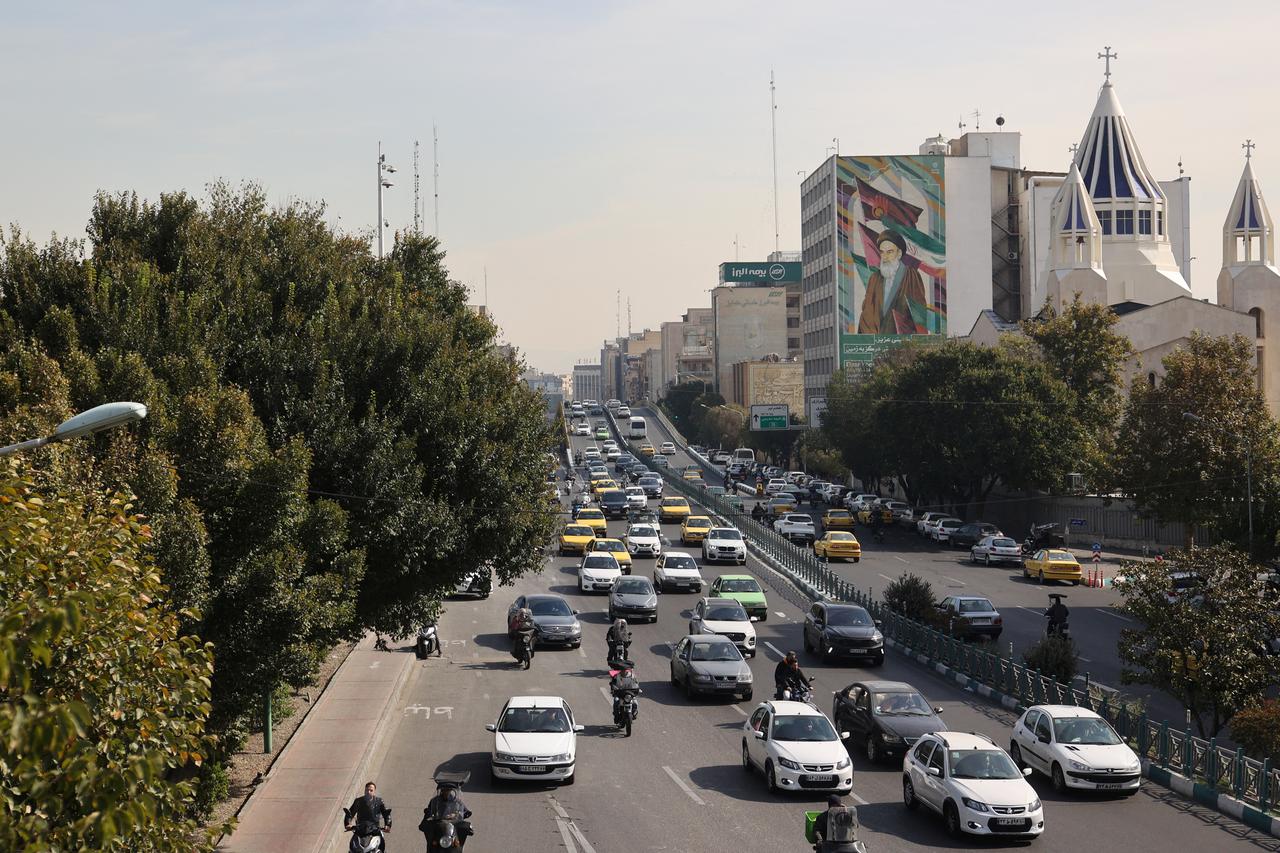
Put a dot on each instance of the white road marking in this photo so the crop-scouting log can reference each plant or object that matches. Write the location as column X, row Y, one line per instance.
column 608, row 700
column 886, row 577
column 1114, row 615
column 683, row 787
column 774, row 649
column 858, row 799
column 375, row 664
column 1083, row 658
column 577, row 833
column 739, row 710
column 953, row 580
column 899, row 559
column 559, row 809
column 780, row 614
column 566, row 836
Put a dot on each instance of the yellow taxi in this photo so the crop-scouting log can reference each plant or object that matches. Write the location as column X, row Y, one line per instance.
column 598, row 474
column 593, row 518
column 598, row 486
column 886, row 515
column 1052, row 565
column 618, row 549
column 838, row 545
column 673, row 509
column 782, row 504
column 694, row 529
column 647, row 450
column 576, row 539
column 692, row 474
column 837, row 519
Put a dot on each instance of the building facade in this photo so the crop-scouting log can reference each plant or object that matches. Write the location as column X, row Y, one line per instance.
column 772, row 380
column 750, row 323
column 586, row 382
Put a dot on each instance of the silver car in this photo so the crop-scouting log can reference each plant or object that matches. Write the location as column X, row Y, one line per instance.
column 633, row 598
column 703, row 663
column 996, row 549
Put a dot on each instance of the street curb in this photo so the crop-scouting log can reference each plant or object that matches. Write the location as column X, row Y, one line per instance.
column 1209, row 797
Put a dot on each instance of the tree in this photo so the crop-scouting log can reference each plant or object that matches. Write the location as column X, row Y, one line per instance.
column 1193, row 471
column 851, row 422
column 1082, row 348
column 102, row 703
column 1192, row 645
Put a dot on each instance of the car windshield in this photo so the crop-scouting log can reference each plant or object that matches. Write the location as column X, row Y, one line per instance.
column 1059, row 555
column 803, row 728
column 600, row 561
column 951, row 523
column 975, row 605
column 639, row 532
column 633, row 586
column 699, row 522
column 800, row 519
column 843, row 616
column 680, row 563
column 550, row 607
column 982, row 764
column 1003, row 543
column 740, row 585
column 609, row 545
column 1086, row 731
column 840, row 537
column 725, row 533
column 714, row 652
column 670, row 502
column 591, row 513
column 726, row 613
column 837, row 513
column 534, row 720
column 900, row 704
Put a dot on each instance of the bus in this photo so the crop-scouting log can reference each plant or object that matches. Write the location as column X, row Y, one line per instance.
column 636, row 428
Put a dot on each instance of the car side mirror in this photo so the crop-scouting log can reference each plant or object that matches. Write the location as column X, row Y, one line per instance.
column 759, row 735
column 844, row 735
column 934, row 771
column 937, row 709
column 1026, row 771
column 754, row 618
column 491, row 728
column 574, row 612
column 817, row 623
column 579, row 728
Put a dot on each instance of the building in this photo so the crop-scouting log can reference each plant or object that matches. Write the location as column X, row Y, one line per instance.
column 750, row 323
column 771, row 380
column 610, row 371
column 586, row 382
column 635, row 377
column 687, row 352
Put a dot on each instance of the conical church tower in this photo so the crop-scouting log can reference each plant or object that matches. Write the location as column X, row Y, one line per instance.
column 1075, row 258
column 1131, row 209
column 1249, row 281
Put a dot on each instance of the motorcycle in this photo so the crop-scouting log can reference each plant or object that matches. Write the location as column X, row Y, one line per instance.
column 799, row 693
column 366, row 836
column 618, row 652
column 1060, row 628
column 842, row 831
column 452, row 831
column 625, row 706
column 1042, row 536
column 522, row 648
column 428, row 641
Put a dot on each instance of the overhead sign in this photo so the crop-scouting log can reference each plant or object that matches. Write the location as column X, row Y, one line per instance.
column 770, row 416
column 761, row 272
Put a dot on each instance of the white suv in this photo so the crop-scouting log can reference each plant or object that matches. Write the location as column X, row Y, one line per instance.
column 724, row 544
column 797, row 748
column 973, row 784
column 1075, row 748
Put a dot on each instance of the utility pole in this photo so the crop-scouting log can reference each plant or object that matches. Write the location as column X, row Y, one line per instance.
column 435, row 168
column 417, row 197
column 383, row 184
column 773, row 122
column 628, row 316
column 617, row 315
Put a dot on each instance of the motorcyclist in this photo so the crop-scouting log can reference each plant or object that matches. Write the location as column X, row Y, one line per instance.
column 366, row 810
column 787, row 675
column 877, row 523
column 623, row 685
column 757, row 511
column 524, row 633
column 1057, row 615
column 838, row 825
column 619, row 633
column 447, row 805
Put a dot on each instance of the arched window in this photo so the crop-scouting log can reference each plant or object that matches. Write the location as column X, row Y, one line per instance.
column 1151, row 379
column 1260, row 328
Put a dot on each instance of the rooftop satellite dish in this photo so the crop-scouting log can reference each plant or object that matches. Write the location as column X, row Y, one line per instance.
column 999, row 121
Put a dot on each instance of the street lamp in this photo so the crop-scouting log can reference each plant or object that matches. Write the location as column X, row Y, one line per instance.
column 1248, row 465
column 383, row 184
column 99, row 418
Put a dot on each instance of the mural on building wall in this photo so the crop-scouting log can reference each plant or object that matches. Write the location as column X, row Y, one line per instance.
column 891, row 280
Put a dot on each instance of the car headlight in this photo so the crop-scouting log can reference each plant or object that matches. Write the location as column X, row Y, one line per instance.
column 744, row 677
column 844, row 763
column 751, row 641
column 1135, row 767
column 890, row 738
column 788, row 763
column 1076, row 765
column 564, row 756
column 505, row 756
column 1034, row 805
column 877, row 637
column 974, row 805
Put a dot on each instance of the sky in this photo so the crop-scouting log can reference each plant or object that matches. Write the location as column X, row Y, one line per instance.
column 592, row 148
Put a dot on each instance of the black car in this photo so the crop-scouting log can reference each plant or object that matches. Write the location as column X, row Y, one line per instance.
column 652, row 486
column 885, row 718
column 638, row 470
column 843, row 631
column 624, row 463
column 614, row 503
column 970, row 534
column 555, row 622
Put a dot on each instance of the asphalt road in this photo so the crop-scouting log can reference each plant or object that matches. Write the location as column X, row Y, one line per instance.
column 677, row 784
column 1095, row 621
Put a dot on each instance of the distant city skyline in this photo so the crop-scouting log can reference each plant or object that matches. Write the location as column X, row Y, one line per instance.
column 587, row 148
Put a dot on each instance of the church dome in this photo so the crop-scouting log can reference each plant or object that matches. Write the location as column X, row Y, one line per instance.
column 1108, row 156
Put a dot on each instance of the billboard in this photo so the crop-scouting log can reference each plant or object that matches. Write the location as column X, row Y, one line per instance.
column 750, row 323
column 891, row 279
column 760, row 272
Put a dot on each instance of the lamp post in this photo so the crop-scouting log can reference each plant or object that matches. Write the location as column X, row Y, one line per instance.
column 384, row 169
column 1248, row 466
column 99, row 418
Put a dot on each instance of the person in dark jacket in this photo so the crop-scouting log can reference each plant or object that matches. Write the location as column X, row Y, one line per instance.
column 787, row 675
column 366, row 810
column 447, row 805
column 820, row 824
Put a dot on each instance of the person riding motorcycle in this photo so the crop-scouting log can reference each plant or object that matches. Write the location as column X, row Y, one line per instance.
column 757, row 512
column 787, row 675
column 447, row 805
column 1057, row 615
column 619, row 633
column 365, row 811
column 623, row 687
column 836, row 828
column 877, row 523
column 524, row 634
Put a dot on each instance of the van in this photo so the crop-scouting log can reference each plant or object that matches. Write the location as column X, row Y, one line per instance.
column 745, row 454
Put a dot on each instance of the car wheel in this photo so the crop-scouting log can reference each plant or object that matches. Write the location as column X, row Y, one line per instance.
column 689, row 692
column 742, row 562
column 872, row 748
column 577, row 645
column 1059, row 781
column 654, row 620
column 973, row 558
column 1016, row 754
column 746, row 697
column 1041, row 575
column 770, row 780
column 746, row 758
column 951, row 815
column 879, row 661
column 909, row 794
column 987, row 557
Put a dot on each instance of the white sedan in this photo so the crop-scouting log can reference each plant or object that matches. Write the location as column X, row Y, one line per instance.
column 678, row 570
column 598, row 571
column 1075, row 748
column 534, row 739
column 774, row 486
column 643, row 540
column 581, row 428
column 797, row 749
column 996, row 549
column 636, row 498
column 667, row 448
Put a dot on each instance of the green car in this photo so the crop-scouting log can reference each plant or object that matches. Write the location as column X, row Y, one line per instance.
column 745, row 590
column 601, row 433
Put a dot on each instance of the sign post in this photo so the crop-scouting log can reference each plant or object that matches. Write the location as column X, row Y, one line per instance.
column 769, row 417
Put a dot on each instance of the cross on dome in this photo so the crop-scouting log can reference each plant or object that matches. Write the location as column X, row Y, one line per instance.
column 1107, row 55
column 1248, row 147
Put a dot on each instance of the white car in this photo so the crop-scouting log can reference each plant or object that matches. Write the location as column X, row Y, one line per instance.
column 725, row 617
column 677, row 570
column 535, row 738
column 724, row 544
column 796, row 525
column 608, row 444
column 636, row 498
column 1075, row 748
column 861, row 502
column 901, row 511
column 623, row 412
column 774, row 486
column 973, row 784
column 643, row 540
column 996, row 549
column 667, row 448
column 581, row 428
column 612, row 454
column 927, row 518
column 796, row 478
column 598, row 571
column 797, row 748
column 941, row 532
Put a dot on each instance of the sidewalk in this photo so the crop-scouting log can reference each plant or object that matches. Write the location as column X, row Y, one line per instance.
column 298, row 805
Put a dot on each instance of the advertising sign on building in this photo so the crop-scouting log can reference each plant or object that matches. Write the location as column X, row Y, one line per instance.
column 769, row 416
column 891, row 281
column 760, row 272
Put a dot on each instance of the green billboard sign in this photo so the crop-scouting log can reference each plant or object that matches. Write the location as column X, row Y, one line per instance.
column 760, row 272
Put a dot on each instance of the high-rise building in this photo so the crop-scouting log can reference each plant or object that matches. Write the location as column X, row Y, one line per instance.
column 586, row 382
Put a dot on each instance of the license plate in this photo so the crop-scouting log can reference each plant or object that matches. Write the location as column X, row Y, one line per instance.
column 821, row 780
column 1010, row 821
column 1110, row 785
column 532, row 768
column 980, row 621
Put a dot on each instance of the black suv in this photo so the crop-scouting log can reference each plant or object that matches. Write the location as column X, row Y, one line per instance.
column 614, row 503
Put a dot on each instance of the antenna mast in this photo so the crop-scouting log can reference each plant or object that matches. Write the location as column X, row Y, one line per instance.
column 417, row 199
column 773, row 123
column 617, row 314
column 486, row 287
column 435, row 157
column 628, row 316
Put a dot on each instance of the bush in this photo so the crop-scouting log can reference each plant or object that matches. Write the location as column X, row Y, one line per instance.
column 1257, row 729
column 282, row 707
column 212, row 787
column 1054, row 657
column 912, row 596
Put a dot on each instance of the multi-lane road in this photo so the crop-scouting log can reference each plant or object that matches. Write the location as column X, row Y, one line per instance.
column 677, row 784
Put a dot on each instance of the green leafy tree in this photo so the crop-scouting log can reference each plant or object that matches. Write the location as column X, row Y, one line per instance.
column 1054, row 657
column 102, row 702
column 1257, row 729
column 1192, row 645
column 852, row 424
column 912, row 596
column 1193, row 471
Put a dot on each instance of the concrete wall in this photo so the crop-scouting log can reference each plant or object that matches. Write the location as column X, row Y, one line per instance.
column 968, row 203
column 1160, row 329
column 759, row 382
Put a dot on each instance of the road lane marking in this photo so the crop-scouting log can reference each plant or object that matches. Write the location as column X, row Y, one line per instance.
column 886, row 577
column 565, row 835
column 899, row 559
column 608, row 700
column 1083, row 659
column 577, row 833
column 953, row 580
column 780, row 614
column 582, row 652
column 1114, row 615
column 559, row 809
column 739, row 710
column 683, row 786
column 858, row 799
column 774, row 649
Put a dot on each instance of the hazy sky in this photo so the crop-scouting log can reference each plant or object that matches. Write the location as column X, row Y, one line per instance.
column 591, row 147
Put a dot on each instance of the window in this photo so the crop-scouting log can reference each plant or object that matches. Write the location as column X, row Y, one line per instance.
column 1104, row 219
column 1160, row 222
column 793, row 301
column 1259, row 331
column 793, row 322
column 793, row 343
column 1151, row 380
column 1124, row 221
column 1144, row 221
column 935, row 760
column 922, row 751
